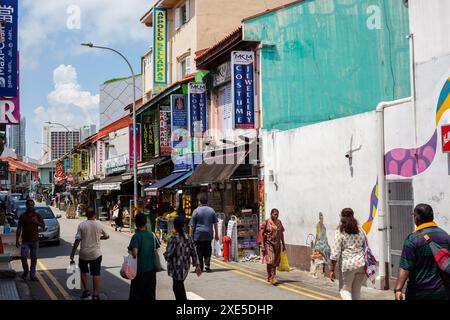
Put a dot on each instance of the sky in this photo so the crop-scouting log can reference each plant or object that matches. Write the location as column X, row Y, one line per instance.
column 60, row 79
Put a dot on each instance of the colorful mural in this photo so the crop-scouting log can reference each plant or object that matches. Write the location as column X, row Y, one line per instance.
column 411, row 162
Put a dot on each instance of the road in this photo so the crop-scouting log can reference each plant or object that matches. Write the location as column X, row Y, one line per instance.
column 228, row 281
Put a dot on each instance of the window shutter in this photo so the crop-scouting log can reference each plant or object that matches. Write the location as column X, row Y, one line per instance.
column 180, row 70
column 177, row 18
column 188, row 65
column 188, row 11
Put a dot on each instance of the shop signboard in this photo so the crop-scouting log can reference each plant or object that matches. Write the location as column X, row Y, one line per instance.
column 148, row 138
column 243, row 89
column 138, row 143
column 107, row 186
column 197, row 109
column 4, row 166
column 222, row 74
column 181, row 153
column 159, row 48
column 76, row 163
column 445, row 130
column 9, row 48
column 117, row 164
column 85, row 162
column 10, row 106
column 100, row 156
column 165, row 119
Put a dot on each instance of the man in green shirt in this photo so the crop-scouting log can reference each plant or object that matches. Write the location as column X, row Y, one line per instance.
column 143, row 246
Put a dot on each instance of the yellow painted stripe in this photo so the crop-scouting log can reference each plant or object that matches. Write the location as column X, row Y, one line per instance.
column 55, row 282
column 47, row 289
column 289, row 285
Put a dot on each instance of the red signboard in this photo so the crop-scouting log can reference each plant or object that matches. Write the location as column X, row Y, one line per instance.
column 445, row 138
column 10, row 107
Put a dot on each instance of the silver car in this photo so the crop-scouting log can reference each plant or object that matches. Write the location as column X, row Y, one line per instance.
column 51, row 232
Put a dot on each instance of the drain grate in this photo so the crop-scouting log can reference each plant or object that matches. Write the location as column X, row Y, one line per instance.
column 8, row 290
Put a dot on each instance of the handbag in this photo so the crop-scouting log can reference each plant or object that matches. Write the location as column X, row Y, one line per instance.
column 158, row 260
column 442, row 257
column 370, row 266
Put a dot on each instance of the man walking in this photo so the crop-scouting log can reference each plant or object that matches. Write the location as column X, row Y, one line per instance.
column 417, row 262
column 201, row 229
column 89, row 234
column 28, row 228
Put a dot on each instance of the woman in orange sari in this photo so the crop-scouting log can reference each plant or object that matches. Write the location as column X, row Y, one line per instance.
column 272, row 244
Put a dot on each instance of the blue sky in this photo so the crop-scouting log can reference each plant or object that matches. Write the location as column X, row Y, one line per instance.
column 60, row 79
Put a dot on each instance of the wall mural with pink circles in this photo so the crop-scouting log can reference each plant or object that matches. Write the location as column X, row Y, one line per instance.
column 408, row 163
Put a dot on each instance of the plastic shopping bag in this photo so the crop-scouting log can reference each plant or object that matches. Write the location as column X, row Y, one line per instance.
column 129, row 267
column 284, row 264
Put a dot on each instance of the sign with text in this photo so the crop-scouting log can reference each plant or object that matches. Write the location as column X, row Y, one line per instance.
column 180, row 132
column 85, row 162
column 100, row 155
column 117, row 164
column 243, row 89
column 165, row 125
column 10, row 107
column 9, row 48
column 445, row 130
column 148, row 137
column 138, row 143
column 197, row 109
column 160, row 47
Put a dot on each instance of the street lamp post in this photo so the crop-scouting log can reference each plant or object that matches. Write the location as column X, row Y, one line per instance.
column 135, row 182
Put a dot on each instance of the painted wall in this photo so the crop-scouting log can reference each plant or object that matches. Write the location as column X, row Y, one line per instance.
column 118, row 143
column 330, row 59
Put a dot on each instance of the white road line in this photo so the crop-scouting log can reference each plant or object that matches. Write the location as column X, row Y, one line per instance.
column 193, row 296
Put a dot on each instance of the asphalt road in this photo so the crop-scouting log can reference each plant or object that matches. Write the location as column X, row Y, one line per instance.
column 226, row 282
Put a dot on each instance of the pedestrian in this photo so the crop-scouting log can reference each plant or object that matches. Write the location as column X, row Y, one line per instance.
column 201, row 229
column 143, row 246
column 180, row 251
column 348, row 246
column 119, row 219
column 28, row 228
column 89, row 234
column 272, row 235
column 417, row 264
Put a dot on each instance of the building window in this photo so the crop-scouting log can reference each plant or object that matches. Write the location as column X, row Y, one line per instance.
column 184, row 67
column 182, row 15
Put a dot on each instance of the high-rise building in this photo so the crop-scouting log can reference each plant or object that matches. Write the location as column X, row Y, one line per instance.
column 87, row 131
column 16, row 137
column 59, row 140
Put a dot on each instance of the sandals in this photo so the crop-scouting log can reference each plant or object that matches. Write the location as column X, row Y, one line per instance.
column 86, row 294
column 95, row 297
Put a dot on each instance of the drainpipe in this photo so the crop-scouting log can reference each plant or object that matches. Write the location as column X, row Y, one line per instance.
column 380, row 282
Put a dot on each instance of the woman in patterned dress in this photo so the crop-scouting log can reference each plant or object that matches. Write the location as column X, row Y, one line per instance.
column 349, row 248
column 272, row 244
column 180, row 251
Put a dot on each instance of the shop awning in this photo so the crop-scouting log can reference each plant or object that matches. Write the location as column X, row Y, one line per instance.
column 109, row 183
column 217, row 169
column 146, row 168
column 173, row 179
column 179, row 180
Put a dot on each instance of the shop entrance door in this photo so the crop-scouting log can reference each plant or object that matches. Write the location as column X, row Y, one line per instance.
column 400, row 205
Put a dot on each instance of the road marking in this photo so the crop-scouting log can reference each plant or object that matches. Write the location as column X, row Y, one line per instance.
column 193, row 296
column 55, row 282
column 47, row 289
column 258, row 277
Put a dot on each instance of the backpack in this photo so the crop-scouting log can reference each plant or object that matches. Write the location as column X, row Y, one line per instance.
column 442, row 258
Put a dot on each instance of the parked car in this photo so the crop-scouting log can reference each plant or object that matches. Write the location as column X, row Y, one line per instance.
column 17, row 203
column 11, row 198
column 51, row 232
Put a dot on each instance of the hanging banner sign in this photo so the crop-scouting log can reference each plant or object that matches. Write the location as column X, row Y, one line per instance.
column 85, row 162
column 10, row 107
column 160, row 47
column 138, row 143
column 76, row 163
column 9, row 48
column 165, row 125
column 197, row 109
column 181, row 153
column 148, row 138
column 243, row 89
column 100, row 157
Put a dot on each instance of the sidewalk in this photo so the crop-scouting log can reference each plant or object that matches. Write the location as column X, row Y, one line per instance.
column 8, row 286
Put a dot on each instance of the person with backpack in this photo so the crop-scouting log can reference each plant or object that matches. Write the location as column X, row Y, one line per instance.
column 180, row 251
column 426, row 280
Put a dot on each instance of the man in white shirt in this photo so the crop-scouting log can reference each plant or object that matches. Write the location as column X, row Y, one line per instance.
column 89, row 234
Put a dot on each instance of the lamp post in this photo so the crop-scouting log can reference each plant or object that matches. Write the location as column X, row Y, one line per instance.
column 135, row 182
column 71, row 142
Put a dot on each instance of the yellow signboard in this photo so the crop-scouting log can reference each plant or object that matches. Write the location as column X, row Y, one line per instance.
column 159, row 47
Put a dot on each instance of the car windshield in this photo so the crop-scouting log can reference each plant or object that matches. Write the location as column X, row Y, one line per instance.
column 45, row 212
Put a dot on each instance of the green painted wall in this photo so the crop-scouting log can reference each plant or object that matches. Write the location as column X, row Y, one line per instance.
column 321, row 61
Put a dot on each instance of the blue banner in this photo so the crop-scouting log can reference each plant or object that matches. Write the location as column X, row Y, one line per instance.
column 197, row 109
column 180, row 132
column 9, row 48
column 243, row 89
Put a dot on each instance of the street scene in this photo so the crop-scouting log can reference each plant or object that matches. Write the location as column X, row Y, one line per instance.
column 224, row 150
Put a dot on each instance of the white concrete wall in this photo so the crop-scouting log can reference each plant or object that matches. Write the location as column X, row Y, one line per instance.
column 119, row 143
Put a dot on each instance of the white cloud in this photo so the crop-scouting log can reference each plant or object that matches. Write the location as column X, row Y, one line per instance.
column 103, row 21
column 67, row 103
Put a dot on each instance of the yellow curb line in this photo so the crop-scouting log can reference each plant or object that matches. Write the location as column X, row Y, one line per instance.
column 55, row 282
column 280, row 285
column 47, row 289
